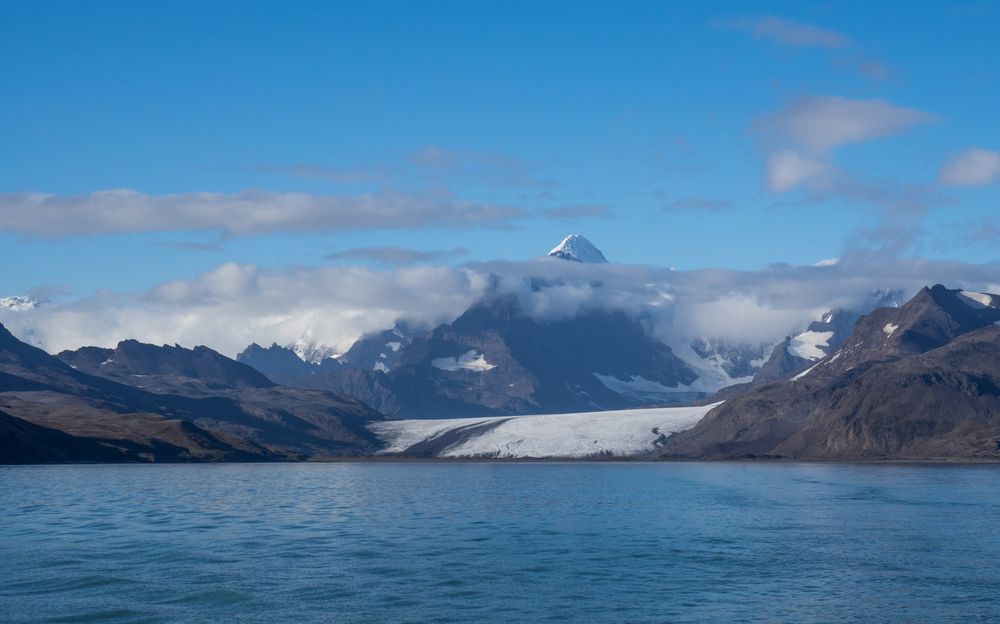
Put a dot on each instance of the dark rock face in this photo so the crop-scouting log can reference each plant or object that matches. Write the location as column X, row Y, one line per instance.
column 22, row 442
column 381, row 350
column 132, row 361
column 275, row 362
column 784, row 364
column 836, row 325
column 495, row 360
column 516, row 365
column 917, row 382
column 227, row 411
column 781, row 364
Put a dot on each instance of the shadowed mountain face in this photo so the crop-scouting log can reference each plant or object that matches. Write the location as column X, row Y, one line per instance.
column 495, row 360
column 185, row 405
column 919, row 381
column 22, row 442
column 148, row 366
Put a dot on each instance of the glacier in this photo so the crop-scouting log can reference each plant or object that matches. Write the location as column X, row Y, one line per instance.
column 617, row 433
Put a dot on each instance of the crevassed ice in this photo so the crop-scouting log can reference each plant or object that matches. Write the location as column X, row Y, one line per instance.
column 619, row 433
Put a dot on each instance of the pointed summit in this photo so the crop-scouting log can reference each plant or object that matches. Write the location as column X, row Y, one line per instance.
column 578, row 249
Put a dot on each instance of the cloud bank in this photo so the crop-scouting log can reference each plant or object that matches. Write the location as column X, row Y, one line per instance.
column 233, row 305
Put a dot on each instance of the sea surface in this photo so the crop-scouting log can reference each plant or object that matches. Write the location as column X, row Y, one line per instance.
column 500, row 542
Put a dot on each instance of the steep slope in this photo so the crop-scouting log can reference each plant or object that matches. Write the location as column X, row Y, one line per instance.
column 381, row 351
column 576, row 248
column 165, row 367
column 187, row 419
column 231, row 397
column 22, row 442
column 494, row 359
column 919, row 381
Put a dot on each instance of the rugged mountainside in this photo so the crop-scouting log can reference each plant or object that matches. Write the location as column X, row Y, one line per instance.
column 165, row 368
column 921, row 381
column 196, row 405
column 495, row 360
column 821, row 338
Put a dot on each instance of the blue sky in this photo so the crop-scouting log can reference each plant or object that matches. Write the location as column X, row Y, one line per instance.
column 690, row 135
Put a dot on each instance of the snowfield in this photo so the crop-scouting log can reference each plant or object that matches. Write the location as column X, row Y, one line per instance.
column 977, row 300
column 807, row 345
column 619, row 433
column 471, row 360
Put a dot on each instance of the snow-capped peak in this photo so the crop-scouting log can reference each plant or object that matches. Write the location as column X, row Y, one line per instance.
column 311, row 352
column 578, row 249
column 18, row 303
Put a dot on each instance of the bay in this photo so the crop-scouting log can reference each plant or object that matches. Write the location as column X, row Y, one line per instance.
column 500, row 542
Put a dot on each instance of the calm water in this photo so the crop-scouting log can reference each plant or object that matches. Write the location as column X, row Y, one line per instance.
column 480, row 542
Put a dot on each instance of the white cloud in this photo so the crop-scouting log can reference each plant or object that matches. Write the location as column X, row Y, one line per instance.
column 233, row 305
column 787, row 169
column 819, row 123
column 788, row 32
column 801, row 137
column 974, row 167
column 241, row 214
column 397, row 255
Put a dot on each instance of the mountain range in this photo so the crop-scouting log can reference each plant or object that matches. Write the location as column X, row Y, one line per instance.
column 911, row 380
column 141, row 402
column 920, row 381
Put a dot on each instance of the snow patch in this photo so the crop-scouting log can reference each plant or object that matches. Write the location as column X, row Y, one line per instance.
column 579, row 249
column 620, row 433
column 310, row 351
column 712, row 375
column 394, row 346
column 636, row 386
column 804, row 373
column 471, row 360
column 976, row 300
column 380, row 366
column 889, row 329
column 807, row 345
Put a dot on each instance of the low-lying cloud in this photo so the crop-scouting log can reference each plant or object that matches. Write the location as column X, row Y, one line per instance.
column 233, row 305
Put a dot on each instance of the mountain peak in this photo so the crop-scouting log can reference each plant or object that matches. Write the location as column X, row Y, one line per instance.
column 578, row 249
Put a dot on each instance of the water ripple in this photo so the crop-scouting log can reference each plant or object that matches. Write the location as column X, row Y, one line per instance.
column 468, row 542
